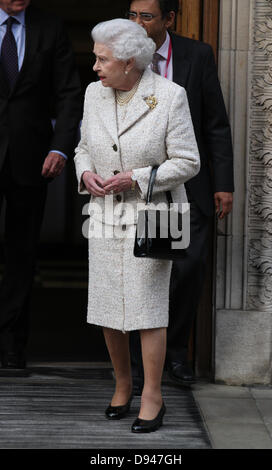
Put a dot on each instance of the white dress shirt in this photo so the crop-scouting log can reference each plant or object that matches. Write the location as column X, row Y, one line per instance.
column 163, row 51
column 18, row 30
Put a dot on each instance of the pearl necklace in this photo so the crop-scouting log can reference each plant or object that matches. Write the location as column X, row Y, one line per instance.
column 123, row 100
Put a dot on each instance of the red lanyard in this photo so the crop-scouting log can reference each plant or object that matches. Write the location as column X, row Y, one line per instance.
column 168, row 58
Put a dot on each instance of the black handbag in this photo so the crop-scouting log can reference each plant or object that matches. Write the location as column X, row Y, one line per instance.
column 154, row 235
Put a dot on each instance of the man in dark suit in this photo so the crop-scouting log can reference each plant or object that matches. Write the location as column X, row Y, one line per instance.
column 190, row 64
column 37, row 79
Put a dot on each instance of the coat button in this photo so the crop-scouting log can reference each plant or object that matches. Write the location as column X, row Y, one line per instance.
column 115, row 147
column 118, row 198
column 124, row 227
column 116, row 172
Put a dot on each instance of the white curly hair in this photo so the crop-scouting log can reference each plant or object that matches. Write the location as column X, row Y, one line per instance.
column 126, row 40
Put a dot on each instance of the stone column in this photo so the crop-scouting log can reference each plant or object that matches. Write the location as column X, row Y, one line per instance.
column 243, row 292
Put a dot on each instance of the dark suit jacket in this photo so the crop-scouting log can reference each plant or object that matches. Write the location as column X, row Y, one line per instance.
column 48, row 84
column 194, row 68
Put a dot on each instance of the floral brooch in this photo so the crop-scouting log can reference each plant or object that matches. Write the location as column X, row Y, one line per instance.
column 151, row 101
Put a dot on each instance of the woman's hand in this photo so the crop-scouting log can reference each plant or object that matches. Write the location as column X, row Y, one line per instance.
column 93, row 183
column 118, row 183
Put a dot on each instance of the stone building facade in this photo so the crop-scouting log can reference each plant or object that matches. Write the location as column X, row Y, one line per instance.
column 243, row 313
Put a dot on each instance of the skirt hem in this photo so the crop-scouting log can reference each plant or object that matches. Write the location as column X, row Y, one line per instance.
column 145, row 327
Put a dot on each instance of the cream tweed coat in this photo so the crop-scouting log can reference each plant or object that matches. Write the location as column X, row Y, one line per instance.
column 128, row 293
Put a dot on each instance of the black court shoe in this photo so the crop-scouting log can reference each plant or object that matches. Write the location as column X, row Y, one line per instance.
column 149, row 425
column 118, row 412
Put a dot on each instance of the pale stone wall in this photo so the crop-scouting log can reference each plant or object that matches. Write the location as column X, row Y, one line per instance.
column 243, row 318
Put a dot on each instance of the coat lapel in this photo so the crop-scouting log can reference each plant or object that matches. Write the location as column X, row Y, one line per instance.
column 107, row 111
column 181, row 61
column 4, row 87
column 32, row 40
column 139, row 107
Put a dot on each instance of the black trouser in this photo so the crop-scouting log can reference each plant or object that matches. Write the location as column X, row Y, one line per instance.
column 24, row 213
column 187, row 279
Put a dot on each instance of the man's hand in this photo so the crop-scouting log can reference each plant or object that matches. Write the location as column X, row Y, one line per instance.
column 223, row 204
column 53, row 165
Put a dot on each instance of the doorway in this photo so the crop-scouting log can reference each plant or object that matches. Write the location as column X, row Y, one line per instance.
column 58, row 314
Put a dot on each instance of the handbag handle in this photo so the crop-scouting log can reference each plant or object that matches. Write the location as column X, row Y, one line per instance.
column 151, row 185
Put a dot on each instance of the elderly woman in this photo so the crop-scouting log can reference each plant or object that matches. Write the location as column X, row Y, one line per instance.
column 133, row 119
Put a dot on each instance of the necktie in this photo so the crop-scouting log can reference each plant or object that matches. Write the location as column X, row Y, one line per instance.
column 9, row 54
column 155, row 63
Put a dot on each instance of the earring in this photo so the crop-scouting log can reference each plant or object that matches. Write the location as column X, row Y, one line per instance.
column 126, row 72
